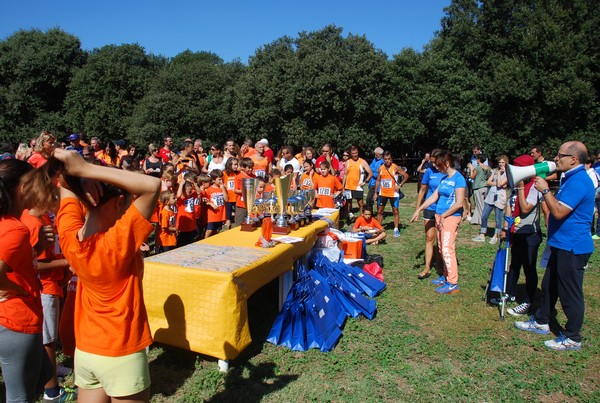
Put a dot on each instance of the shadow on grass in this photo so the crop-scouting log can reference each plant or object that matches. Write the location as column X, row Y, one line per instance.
column 250, row 383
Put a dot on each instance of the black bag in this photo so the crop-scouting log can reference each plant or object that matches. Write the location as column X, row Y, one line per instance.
column 374, row 258
column 400, row 195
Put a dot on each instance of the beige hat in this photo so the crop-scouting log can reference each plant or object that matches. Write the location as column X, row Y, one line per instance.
column 378, row 150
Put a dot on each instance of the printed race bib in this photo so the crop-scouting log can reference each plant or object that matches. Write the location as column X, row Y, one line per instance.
column 189, row 205
column 218, row 199
column 231, row 184
column 172, row 221
column 324, row 191
column 260, row 172
column 307, row 182
column 386, row 183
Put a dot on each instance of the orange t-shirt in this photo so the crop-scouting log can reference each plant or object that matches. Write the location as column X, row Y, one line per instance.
column 354, row 170
column 229, row 181
column 110, row 315
column 388, row 180
column 215, row 195
column 361, row 222
column 37, row 159
column 269, row 187
column 240, row 202
column 167, row 219
column 186, row 213
column 21, row 314
column 260, row 166
column 49, row 279
column 306, row 181
column 325, row 187
column 154, row 217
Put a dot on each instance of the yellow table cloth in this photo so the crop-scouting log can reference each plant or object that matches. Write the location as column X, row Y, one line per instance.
column 196, row 296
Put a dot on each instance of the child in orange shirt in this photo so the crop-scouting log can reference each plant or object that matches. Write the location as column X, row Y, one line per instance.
column 168, row 228
column 111, row 326
column 306, row 180
column 369, row 226
column 327, row 186
column 289, row 171
column 204, row 183
column 231, row 170
column 216, row 195
column 246, row 167
column 187, row 200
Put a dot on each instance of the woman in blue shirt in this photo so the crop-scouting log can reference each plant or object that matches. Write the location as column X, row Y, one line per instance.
column 449, row 198
column 429, row 183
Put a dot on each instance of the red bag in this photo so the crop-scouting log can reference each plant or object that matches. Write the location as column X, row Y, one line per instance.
column 374, row 270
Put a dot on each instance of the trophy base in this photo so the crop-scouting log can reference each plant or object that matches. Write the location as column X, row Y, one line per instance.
column 248, row 227
column 281, row 230
column 294, row 226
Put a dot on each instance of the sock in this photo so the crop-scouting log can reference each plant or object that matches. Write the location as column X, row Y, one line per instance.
column 52, row 392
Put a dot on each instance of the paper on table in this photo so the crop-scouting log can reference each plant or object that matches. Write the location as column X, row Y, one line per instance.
column 324, row 211
column 288, row 239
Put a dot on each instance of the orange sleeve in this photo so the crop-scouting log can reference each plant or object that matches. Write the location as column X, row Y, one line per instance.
column 34, row 225
column 360, row 221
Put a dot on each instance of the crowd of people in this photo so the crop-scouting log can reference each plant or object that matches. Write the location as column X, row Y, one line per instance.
column 110, row 204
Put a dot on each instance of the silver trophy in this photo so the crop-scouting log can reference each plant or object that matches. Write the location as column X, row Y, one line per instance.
column 249, row 186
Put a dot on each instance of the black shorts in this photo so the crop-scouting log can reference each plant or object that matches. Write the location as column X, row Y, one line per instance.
column 356, row 194
column 214, row 226
column 429, row 214
column 230, row 211
column 394, row 201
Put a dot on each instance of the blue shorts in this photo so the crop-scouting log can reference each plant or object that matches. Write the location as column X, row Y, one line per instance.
column 230, row 211
column 214, row 226
column 394, row 201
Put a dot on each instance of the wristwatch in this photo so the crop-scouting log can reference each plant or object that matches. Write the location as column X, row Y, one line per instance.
column 545, row 192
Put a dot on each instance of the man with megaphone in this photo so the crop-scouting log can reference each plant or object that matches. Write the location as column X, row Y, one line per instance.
column 571, row 245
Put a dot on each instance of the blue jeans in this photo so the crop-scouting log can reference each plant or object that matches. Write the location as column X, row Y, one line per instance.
column 487, row 210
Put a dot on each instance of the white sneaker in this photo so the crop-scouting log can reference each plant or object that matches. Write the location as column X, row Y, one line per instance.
column 519, row 310
column 493, row 240
column 563, row 343
column 350, row 216
column 478, row 238
column 532, row 326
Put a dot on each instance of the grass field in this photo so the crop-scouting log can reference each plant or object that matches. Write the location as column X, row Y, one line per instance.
column 420, row 346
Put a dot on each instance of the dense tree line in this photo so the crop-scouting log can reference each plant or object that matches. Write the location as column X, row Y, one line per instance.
column 502, row 73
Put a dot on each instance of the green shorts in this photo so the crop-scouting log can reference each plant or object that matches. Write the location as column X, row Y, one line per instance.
column 118, row 376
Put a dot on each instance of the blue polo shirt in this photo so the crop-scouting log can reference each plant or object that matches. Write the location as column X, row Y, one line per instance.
column 447, row 192
column 573, row 233
column 375, row 164
column 432, row 178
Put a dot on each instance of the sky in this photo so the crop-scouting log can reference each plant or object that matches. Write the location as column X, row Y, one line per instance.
column 230, row 29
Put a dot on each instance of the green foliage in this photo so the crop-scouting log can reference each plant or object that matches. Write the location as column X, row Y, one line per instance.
column 35, row 69
column 505, row 74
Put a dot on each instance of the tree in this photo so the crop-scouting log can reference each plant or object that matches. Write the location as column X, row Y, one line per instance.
column 191, row 96
column 104, row 92
column 35, row 69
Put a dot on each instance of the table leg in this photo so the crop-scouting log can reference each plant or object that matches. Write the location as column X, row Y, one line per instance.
column 285, row 285
column 223, row 365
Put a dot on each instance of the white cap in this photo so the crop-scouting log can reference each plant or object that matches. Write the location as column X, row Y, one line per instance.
column 264, row 141
column 378, row 150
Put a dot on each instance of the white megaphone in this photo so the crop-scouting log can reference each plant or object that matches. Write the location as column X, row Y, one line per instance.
column 516, row 174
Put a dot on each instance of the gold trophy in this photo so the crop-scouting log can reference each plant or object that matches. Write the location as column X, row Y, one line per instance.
column 282, row 190
column 249, row 186
column 309, row 199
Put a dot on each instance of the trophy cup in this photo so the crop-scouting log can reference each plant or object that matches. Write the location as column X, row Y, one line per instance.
column 294, row 207
column 309, row 199
column 282, row 189
column 249, row 186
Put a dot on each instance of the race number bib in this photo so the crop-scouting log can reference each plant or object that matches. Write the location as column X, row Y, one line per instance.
column 231, row 184
column 307, row 182
column 324, row 191
column 260, row 172
column 189, row 205
column 218, row 199
column 172, row 221
column 386, row 183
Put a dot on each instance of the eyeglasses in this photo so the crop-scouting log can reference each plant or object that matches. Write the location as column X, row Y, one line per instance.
column 559, row 155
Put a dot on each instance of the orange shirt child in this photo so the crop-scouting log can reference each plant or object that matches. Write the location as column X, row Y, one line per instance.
column 229, row 181
column 326, row 187
column 240, row 202
column 49, row 279
column 306, row 181
column 168, row 229
column 215, row 196
column 371, row 223
column 186, row 213
column 109, row 291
